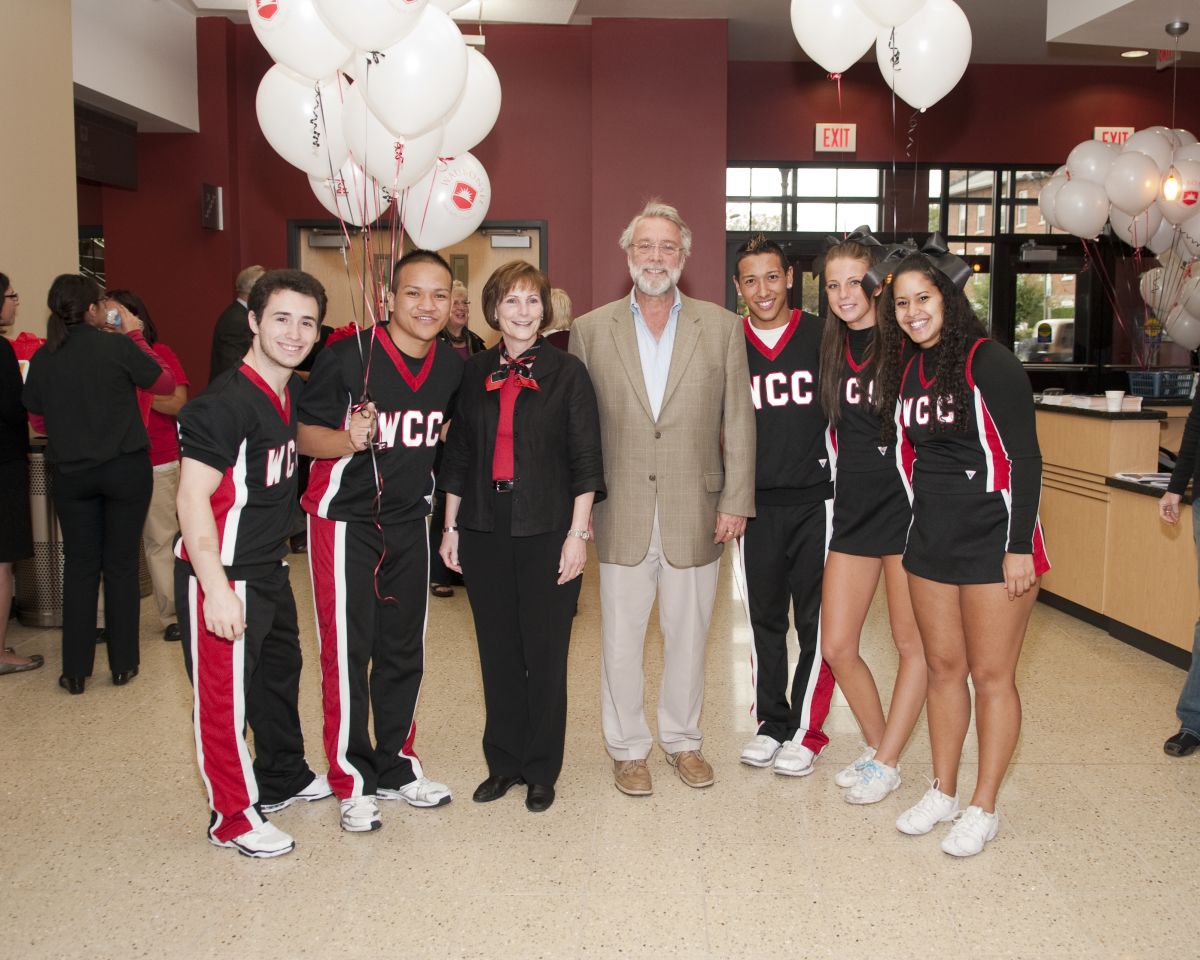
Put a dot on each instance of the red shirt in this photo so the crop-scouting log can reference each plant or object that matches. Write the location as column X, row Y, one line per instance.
column 164, row 434
column 502, row 461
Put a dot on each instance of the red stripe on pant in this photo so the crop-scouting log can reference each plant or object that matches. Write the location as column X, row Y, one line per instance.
column 814, row 737
column 219, row 716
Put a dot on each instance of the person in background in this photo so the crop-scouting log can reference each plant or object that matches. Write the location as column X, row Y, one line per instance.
column 82, row 392
column 465, row 343
column 231, row 335
column 522, row 469
column 1187, row 468
column 966, row 443
column 16, row 536
column 237, row 488
column 158, row 533
column 560, row 333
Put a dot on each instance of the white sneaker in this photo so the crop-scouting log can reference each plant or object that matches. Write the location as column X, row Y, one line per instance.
column 850, row 775
column 422, row 792
column 877, row 780
column 360, row 814
column 319, row 789
column 794, row 759
column 760, row 751
column 261, row 842
column 933, row 808
column 971, row 831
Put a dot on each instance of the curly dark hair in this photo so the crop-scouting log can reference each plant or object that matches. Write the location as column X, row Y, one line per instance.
column 960, row 329
column 833, row 336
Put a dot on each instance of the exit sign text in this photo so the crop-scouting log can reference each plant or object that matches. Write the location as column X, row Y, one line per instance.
column 836, row 137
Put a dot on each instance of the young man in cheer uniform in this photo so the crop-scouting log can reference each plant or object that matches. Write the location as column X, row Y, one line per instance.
column 373, row 411
column 784, row 546
column 237, row 487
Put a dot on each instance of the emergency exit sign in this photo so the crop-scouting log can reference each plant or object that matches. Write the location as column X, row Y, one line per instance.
column 836, row 138
column 1117, row 135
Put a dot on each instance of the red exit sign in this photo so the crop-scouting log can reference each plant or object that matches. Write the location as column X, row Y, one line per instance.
column 1117, row 135
column 836, row 138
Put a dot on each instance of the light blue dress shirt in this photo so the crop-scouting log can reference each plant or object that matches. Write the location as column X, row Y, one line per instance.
column 655, row 354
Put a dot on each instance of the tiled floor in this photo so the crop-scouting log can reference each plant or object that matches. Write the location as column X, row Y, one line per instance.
column 104, row 853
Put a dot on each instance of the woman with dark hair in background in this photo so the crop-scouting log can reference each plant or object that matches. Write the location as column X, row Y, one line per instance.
column 158, row 533
column 16, row 537
column 81, row 390
column 968, row 449
column 871, row 514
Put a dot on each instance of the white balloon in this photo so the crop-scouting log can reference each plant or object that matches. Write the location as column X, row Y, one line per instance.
column 302, row 126
column 1162, row 239
column 1190, row 151
column 1183, row 328
column 1189, row 296
column 1091, row 160
column 415, row 83
column 1135, row 230
column 351, row 195
column 1189, row 236
column 393, row 161
column 295, row 35
column 934, row 46
column 1150, row 286
column 1132, row 182
column 448, row 204
column 1187, row 200
column 446, row 6
column 1153, row 144
column 1168, row 133
column 834, row 33
column 1185, row 137
column 890, row 13
column 478, row 107
column 369, row 24
column 1047, row 197
column 1081, row 208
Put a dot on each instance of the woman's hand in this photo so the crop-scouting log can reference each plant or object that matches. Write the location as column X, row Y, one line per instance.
column 1019, row 577
column 1168, row 507
column 572, row 559
column 129, row 321
column 449, row 551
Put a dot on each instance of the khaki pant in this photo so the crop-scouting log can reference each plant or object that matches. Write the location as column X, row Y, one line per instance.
column 158, row 535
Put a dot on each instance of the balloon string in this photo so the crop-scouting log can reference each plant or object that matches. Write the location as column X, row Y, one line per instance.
column 837, row 77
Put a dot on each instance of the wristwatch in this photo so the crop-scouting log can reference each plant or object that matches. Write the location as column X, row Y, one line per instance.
column 580, row 534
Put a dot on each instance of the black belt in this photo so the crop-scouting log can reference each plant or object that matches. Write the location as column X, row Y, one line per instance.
column 502, row 486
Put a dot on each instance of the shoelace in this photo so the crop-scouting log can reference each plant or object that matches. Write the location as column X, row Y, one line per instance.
column 972, row 820
column 927, row 803
column 871, row 770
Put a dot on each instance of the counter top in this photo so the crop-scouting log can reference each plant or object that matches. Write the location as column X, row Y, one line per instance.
column 1145, row 489
column 1100, row 414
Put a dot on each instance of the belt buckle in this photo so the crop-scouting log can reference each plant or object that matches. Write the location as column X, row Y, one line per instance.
column 502, row 486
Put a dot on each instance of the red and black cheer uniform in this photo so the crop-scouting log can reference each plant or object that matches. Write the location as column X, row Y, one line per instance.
column 368, row 551
column 785, row 544
column 239, row 427
column 975, row 492
column 871, row 511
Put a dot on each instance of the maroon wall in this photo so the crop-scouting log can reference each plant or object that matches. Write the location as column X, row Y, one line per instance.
column 996, row 114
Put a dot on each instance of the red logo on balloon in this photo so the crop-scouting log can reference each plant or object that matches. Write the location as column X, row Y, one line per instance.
column 267, row 8
column 1190, row 197
column 464, row 195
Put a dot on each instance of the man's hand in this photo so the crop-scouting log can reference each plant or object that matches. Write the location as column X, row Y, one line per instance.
column 363, row 423
column 729, row 527
column 224, row 614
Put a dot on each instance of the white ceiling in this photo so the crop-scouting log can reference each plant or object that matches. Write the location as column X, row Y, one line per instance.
column 1004, row 31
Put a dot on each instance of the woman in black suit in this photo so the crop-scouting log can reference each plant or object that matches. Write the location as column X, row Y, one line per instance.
column 521, row 470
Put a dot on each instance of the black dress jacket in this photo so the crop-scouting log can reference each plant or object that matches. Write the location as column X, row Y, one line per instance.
column 231, row 339
column 556, row 444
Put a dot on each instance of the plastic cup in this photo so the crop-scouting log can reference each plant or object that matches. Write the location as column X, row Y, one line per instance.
column 1113, row 400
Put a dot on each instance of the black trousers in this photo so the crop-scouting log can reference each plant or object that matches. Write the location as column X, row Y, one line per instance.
column 785, row 547
column 523, row 627
column 101, row 512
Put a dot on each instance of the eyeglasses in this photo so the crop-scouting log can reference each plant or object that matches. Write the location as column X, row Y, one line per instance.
column 666, row 247
column 14, row 297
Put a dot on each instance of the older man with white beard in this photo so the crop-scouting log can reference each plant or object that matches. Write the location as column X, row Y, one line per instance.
column 678, row 431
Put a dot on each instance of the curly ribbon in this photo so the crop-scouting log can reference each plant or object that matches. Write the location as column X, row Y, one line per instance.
column 838, row 78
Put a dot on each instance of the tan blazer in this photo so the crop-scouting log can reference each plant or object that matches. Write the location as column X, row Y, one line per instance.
column 677, row 463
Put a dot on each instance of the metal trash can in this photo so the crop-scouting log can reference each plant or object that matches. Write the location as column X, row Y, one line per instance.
column 38, row 596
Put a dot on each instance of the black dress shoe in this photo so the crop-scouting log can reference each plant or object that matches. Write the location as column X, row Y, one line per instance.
column 71, row 684
column 493, row 788
column 1181, row 744
column 172, row 632
column 122, row 677
column 539, row 797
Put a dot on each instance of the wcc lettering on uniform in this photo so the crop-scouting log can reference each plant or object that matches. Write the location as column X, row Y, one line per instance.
column 780, row 389
column 415, row 428
column 277, row 459
column 854, row 392
column 915, row 412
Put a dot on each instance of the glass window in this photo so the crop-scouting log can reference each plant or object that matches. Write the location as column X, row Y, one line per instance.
column 982, row 218
column 816, row 217
column 810, row 292
column 737, row 216
column 816, row 182
column 766, row 216
column 851, row 215
column 766, row 182
column 858, row 183
column 979, row 291
column 1045, row 318
column 935, row 183
column 737, row 182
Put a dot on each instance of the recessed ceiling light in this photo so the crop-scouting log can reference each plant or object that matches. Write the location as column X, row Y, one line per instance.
column 1134, row 54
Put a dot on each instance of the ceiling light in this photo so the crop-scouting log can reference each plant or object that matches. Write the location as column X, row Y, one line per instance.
column 1170, row 185
column 1135, row 54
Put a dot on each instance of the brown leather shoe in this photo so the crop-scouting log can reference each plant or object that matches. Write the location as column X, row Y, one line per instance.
column 692, row 768
column 632, row 777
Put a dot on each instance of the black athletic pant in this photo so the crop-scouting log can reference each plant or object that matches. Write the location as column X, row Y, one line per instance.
column 523, row 627
column 784, row 548
column 101, row 511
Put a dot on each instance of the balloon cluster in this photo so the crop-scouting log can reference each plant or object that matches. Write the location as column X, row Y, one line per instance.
column 922, row 46
column 1148, row 191
column 379, row 102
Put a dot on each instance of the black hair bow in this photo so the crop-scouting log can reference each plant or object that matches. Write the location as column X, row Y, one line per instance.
column 956, row 269
column 878, row 275
column 861, row 235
